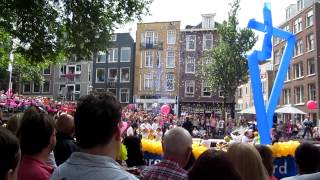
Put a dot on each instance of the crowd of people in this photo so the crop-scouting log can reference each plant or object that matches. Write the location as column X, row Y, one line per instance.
column 88, row 144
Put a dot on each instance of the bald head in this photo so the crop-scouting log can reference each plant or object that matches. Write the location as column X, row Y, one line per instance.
column 176, row 142
column 65, row 124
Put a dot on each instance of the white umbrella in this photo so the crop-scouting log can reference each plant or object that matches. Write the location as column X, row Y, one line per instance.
column 250, row 110
column 289, row 109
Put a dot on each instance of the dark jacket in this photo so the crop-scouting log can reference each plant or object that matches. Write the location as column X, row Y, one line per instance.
column 64, row 148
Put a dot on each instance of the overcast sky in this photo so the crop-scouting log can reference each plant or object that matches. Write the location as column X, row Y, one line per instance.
column 189, row 11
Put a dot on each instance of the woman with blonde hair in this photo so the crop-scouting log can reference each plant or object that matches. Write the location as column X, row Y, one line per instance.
column 247, row 161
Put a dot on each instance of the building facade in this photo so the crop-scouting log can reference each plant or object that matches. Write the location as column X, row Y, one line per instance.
column 157, row 64
column 244, row 97
column 44, row 89
column 72, row 80
column 195, row 95
column 302, row 80
column 113, row 69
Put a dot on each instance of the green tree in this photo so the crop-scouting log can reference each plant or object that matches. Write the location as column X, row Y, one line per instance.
column 227, row 62
column 46, row 30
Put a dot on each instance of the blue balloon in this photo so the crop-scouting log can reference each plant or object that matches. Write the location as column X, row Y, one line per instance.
column 264, row 113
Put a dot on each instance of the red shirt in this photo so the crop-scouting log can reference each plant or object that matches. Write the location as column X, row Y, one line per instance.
column 33, row 169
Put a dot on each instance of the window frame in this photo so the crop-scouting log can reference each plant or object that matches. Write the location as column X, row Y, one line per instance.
column 101, row 53
column 127, row 95
column 43, row 89
column 33, row 84
column 205, row 43
column 309, row 18
column 30, row 88
column 188, row 40
column 171, row 34
column 149, row 77
column 115, row 79
column 308, row 66
column 173, row 81
column 173, row 58
column 104, row 79
column 186, row 93
column 121, row 54
column 203, row 89
column 148, row 57
column 113, row 59
column 190, row 62
column 121, row 74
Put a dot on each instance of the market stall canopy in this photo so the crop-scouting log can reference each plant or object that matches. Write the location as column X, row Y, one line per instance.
column 289, row 109
column 250, row 110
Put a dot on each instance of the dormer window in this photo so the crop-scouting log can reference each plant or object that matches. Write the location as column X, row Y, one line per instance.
column 208, row 21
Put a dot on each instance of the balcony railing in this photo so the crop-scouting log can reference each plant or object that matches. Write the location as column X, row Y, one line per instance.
column 151, row 45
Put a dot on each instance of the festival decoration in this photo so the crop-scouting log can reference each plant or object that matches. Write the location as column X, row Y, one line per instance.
column 284, row 149
column 264, row 113
column 131, row 107
column 311, row 105
column 165, row 109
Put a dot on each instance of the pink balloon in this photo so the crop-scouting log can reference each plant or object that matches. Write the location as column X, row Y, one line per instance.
column 312, row 104
column 165, row 109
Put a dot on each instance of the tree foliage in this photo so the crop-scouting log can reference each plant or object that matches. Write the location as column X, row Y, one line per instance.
column 46, row 30
column 227, row 67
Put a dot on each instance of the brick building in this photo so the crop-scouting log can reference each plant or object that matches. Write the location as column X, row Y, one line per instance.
column 302, row 81
column 157, row 64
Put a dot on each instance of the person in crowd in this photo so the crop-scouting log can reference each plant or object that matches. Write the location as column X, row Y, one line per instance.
column 14, row 123
column 9, row 155
column 213, row 124
column 135, row 154
column 213, row 164
column 267, row 159
column 307, row 157
column 65, row 142
column 97, row 130
column 245, row 137
column 177, row 148
column 247, row 161
column 221, row 127
column 188, row 125
column 37, row 139
column 308, row 124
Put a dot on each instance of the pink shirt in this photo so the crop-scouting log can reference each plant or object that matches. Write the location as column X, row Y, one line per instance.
column 33, row 169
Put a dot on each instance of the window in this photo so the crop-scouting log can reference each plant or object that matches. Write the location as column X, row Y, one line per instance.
column 170, row 82
column 191, row 42
column 124, row 74
column 309, row 19
column 298, row 48
column 207, row 41
column 125, row 54
column 240, row 92
column 148, row 59
column 46, row 71
column 298, row 70
column 114, row 37
column 206, row 89
column 277, row 57
column 46, row 87
column 189, row 88
column 113, row 91
column 190, row 65
column 207, row 22
column 36, row 87
column 299, row 5
column 78, row 69
column 158, row 59
column 170, row 59
column 100, row 75
column 311, row 92
column 27, row 87
column 112, row 75
column 311, row 66
column 310, row 42
column 150, row 37
column 124, row 95
column 78, row 89
column 288, row 13
column 101, row 57
column 287, row 28
column 288, row 77
column 286, row 96
column 297, row 27
column 63, row 70
column 113, row 55
column 298, row 94
column 100, row 89
column 246, row 91
column 171, row 37
column 148, row 81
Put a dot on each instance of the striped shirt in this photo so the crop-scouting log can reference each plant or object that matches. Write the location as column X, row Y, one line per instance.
column 165, row 170
column 84, row 166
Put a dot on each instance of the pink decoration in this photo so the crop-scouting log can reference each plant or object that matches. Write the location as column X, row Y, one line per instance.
column 165, row 109
column 123, row 127
column 131, row 106
column 312, row 104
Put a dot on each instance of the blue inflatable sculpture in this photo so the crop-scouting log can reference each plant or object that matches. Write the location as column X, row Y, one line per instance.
column 264, row 113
